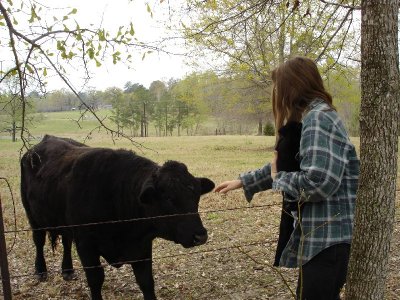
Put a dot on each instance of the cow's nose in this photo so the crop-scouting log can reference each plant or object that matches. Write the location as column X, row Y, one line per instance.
column 200, row 239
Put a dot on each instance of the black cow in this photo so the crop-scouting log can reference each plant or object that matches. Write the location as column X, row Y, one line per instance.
column 123, row 200
column 288, row 147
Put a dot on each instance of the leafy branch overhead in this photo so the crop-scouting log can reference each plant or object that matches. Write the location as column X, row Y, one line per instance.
column 41, row 42
column 251, row 37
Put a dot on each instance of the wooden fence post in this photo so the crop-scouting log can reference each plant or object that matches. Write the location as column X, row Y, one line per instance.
column 5, row 274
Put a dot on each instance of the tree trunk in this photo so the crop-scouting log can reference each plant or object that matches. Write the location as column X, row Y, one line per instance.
column 14, row 131
column 260, row 127
column 142, row 121
column 379, row 117
column 179, row 120
column 166, row 119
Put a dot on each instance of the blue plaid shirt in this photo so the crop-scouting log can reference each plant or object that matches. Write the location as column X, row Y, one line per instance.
column 325, row 187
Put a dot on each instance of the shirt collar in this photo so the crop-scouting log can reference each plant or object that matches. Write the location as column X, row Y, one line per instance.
column 314, row 103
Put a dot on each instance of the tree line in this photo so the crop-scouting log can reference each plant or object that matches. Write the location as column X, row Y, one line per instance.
column 180, row 106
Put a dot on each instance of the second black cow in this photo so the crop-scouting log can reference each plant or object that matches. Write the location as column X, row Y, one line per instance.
column 116, row 202
column 288, row 147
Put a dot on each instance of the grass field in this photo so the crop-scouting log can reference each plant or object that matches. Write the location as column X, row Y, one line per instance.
column 236, row 261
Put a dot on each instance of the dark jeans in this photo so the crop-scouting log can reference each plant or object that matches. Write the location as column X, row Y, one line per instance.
column 324, row 275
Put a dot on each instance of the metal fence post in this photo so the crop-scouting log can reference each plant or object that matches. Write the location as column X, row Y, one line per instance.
column 5, row 274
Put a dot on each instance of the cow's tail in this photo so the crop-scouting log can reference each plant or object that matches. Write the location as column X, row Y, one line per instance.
column 25, row 173
column 53, row 236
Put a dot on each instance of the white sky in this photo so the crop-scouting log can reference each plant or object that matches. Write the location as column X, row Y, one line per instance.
column 156, row 66
column 115, row 13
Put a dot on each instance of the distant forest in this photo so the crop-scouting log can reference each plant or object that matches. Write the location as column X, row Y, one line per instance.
column 180, row 107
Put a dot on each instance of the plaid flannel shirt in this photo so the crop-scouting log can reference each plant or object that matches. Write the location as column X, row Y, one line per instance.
column 325, row 187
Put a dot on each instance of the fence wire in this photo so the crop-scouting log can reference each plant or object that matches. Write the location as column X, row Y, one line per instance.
column 103, row 265
column 143, row 218
column 165, row 257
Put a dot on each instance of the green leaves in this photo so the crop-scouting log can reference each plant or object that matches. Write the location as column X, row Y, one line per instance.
column 98, row 63
column 61, row 46
column 34, row 15
column 149, row 9
column 101, row 35
column 116, row 57
column 90, row 52
column 145, row 53
column 131, row 31
column 30, row 70
column 73, row 11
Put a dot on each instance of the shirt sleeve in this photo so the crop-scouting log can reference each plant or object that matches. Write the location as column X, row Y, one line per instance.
column 323, row 157
column 256, row 181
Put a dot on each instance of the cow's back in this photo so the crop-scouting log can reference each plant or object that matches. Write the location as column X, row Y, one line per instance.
column 109, row 180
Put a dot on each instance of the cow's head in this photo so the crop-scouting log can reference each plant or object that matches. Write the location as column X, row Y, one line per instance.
column 174, row 193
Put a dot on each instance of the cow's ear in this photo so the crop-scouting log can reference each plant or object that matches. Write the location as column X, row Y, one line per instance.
column 206, row 185
column 148, row 193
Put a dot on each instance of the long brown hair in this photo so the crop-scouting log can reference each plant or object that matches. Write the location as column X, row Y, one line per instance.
column 296, row 83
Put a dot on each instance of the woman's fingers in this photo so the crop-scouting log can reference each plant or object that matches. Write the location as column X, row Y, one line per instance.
column 221, row 187
column 228, row 186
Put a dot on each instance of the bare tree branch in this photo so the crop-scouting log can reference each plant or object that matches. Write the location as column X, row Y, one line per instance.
column 341, row 5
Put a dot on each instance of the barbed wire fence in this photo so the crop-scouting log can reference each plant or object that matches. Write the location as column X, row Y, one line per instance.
column 6, row 277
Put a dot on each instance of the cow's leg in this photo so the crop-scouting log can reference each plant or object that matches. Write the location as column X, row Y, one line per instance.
column 39, row 238
column 144, row 276
column 66, row 267
column 90, row 260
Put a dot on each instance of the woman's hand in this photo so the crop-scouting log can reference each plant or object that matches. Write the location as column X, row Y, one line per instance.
column 227, row 186
column 274, row 169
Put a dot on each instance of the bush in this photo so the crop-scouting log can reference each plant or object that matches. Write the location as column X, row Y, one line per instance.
column 269, row 129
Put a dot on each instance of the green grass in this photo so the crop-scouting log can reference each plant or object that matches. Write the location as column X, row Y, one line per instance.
column 64, row 123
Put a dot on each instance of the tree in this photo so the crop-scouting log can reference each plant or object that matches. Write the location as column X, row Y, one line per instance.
column 379, row 124
column 130, row 108
column 11, row 109
column 142, row 96
column 250, row 38
column 232, row 101
column 256, row 35
column 344, row 86
column 115, row 97
column 58, row 100
column 131, row 114
column 157, row 91
column 190, row 106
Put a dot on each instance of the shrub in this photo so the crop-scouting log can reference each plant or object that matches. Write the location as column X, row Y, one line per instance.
column 269, row 129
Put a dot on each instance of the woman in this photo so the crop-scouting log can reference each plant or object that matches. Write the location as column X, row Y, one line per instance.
column 325, row 187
